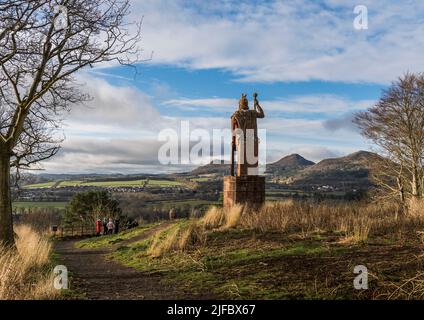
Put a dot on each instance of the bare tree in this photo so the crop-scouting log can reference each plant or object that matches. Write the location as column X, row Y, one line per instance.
column 396, row 125
column 43, row 43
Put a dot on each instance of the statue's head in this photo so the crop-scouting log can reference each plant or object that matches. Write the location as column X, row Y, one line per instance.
column 243, row 103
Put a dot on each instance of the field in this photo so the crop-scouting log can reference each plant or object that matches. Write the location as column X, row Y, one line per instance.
column 166, row 204
column 287, row 250
column 44, row 185
column 186, row 202
column 276, row 195
column 30, row 204
column 115, row 184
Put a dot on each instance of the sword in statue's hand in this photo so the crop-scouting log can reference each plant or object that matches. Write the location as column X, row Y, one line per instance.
column 255, row 96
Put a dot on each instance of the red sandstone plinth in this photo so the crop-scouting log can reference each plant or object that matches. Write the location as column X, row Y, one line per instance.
column 244, row 190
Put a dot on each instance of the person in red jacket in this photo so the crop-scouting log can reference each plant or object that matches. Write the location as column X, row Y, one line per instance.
column 98, row 226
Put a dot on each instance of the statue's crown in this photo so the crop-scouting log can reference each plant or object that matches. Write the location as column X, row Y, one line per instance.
column 243, row 103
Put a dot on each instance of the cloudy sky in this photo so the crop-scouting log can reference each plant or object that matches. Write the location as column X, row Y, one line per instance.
column 311, row 67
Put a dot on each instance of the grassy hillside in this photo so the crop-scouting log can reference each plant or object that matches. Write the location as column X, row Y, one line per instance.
column 287, row 250
column 288, row 166
column 353, row 169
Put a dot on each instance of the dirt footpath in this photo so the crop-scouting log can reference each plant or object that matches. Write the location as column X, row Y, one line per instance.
column 98, row 278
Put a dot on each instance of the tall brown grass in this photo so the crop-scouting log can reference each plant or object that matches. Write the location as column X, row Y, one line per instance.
column 24, row 270
column 416, row 207
column 222, row 218
column 354, row 222
column 179, row 237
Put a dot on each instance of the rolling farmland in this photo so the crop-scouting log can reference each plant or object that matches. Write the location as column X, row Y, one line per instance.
column 105, row 184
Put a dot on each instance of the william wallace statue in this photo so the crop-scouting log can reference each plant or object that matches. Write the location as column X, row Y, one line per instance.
column 245, row 137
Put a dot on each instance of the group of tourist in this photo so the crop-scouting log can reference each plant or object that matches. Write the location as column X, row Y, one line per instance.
column 107, row 226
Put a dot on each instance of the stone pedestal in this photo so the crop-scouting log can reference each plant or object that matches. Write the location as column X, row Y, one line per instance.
column 244, row 190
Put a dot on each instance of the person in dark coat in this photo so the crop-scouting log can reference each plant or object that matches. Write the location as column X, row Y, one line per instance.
column 116, row 226
column 104, row 226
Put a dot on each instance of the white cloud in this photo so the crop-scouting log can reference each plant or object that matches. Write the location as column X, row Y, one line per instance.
column 195, row 104
column 293, row 40
column 114, row 105
column 324, row 103
column 108, row 155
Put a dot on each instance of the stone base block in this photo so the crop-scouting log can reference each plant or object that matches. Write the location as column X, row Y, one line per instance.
column 244, row 190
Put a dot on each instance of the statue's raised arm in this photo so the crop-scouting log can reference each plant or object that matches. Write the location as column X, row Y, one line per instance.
column 257, row 107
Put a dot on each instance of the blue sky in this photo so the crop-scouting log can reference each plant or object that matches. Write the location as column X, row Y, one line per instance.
column 208, row 83
column 311, row 68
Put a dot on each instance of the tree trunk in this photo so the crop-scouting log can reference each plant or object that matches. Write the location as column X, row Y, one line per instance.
column 6, row 224
column 401, row 190
column 415, row 185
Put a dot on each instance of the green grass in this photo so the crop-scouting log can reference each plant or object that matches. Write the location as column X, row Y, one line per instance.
column 69, row 183
column 201, row 179
column 228, row 267
column 104, row 241
column 116, row 184
column 191, row 202
column 42, row 204
column 248, row 256
column 231, row 275
column 164, row 183
column 40, row 185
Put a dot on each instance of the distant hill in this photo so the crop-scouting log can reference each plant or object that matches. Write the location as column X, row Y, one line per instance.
column 288, row 165
column 212, row 168
column 351, row 170
column 283, row 166
column 359, row 159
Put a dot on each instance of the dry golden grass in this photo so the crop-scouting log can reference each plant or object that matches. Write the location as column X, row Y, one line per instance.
column 416, row 207
column 354, row 222
column 213, row 218
column 22, row 274
column 179, row 237
column 222, row 218
column 233, row 216
column 408, row 289
column 193, row 234
column 272, row 216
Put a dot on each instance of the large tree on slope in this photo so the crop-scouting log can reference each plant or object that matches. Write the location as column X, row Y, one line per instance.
column 43, row 44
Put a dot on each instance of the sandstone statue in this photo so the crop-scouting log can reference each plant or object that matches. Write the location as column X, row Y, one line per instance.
column 245, row 186
column 245, row 136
